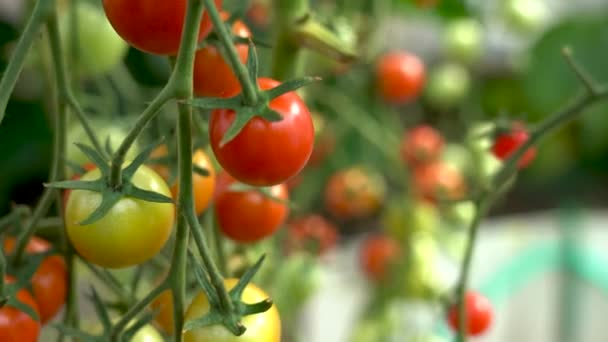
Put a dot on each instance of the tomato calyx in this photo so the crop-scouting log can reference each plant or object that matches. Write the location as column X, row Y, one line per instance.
column 110, row 195
column 227, row 314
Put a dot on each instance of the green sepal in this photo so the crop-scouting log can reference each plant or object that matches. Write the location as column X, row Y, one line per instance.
column 216, row 102
column 290, row 86
column 245, row 279
column 108, row 199
column 129, row 171
column 15, row 303
column 95, row 185
column 96, row 157
column 146, row 195
column 252, row 62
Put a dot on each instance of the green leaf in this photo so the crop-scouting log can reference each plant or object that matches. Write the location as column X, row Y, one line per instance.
column 289, row 86
column 100, row 309
column 216, row 103
column 108, row 199
column 141, row 158
column 252, row 62
column 237, row 291
column 241, row 119
column 147, row 195
column 96, row 157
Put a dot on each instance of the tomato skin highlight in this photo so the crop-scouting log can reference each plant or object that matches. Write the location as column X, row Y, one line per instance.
column 377, row 255
column 15, row 325
column 202, row 186
column 153, row 26
column 506, row 144
column 49, row 282
column 249, row 216
column 421, row 144
column 262, row 327
column 213, row 76
column 479, row 314
column 265, row 153
column 132, row 231
column 400, row 77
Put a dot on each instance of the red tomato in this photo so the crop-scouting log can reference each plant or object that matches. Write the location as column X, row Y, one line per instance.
column 506, row 144
column 15, row 325
column 49, row 282
column 312, row 230
column 66, row 193
column 249, row 216
column 426, row 3
column 479, row 314
column 153, row 26
column 377, row 255
column 354, row 193
column 421, row 144
column 213, row 76
column 400, row 76
column 439, row 180
column 265, row 153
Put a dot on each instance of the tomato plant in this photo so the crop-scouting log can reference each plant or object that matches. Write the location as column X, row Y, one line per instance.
column 49, row 282
column 212, row 74
column 421, row 144
column 439, row 180
column 265, row 153
column 262, row 327
column 377, row 254
column 130, row 233
column 507, row 143
column 259, row 215
column 479, row 314
column 15, row 325
column 203, row 186
column 448, row 85
column 313, row 233
column 400, row 76
column 354, row 193
column 464, row 40
column 157, row 27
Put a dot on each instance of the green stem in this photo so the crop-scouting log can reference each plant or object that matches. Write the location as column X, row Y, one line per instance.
column 2, row 273
column 15, row 214
column 286, row 59
column 220, row 250
column 249, row 88
column 41, row 11
column 111, row 282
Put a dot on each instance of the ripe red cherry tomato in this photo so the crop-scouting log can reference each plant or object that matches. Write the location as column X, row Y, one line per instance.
column 15, row 325
column 507, row 143
column 439, row 180
column 249, row 216
column 49, row 282
column 479, row 314
column 312, row 231
column 265, row 153
column 421, row 144
column 354, row 193
column 213, row 76
column 377, row 255
column 153, row 26
column 400, row 77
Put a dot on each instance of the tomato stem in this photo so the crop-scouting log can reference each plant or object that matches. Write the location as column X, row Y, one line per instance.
column 250, row 89
column 286, row 60
column 41, row 11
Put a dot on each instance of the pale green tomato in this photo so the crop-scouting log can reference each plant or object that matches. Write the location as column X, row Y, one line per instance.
column 459, row 157
column 104, row 131
column 100, row 48
column 461, row 214
column 526, row 16
column 421, row 277
column 402, row 218
column 448, row 85
column 464, row 40
column 480, row 136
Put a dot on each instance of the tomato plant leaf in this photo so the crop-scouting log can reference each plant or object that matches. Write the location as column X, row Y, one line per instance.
column 252, row 62
column 141, row 158
column 241, row 119
column 289, row 86
column 17, row 304
column 108, row 199
column 259, row 307
column 101, row 310
column 95, row 156
column 245, row 279
column 147, row 195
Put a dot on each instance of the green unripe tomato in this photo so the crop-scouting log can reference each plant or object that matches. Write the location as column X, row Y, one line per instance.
column 464, row 40
column 403, row 218
column 526, row 16
column 100, row 48
column 448, row 85
column 460, row 214
column 103, row 130
column 480, row 137
column 458, row 156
